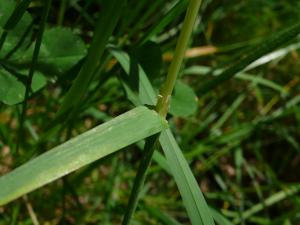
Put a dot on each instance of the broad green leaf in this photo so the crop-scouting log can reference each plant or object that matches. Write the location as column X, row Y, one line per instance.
column 193, row 199
column 12, row 90
column 149, row 56
column 60, row 50
column 80, row 151
column 184, row 100
column 13, row 37
column 6, row 8
column 17, row 14
column 38, row 81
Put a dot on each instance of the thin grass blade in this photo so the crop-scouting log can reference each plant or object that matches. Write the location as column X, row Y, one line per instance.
column 267, row 46
column 104, row 28
column 273, row 199
column 219, row 218
column 176, row 10
column 204, row 70
column 192, row 197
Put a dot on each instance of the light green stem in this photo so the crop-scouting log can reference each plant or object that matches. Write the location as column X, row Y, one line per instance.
column 162, row 107
column 163, row 102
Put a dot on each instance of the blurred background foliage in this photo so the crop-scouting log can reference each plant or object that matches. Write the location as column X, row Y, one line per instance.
column 241, row 139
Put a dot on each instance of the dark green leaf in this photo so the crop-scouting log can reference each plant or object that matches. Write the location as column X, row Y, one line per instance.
column 149, row 56
column 12, row 90
column 184, row 100
column 13, row 37
column 61, row 49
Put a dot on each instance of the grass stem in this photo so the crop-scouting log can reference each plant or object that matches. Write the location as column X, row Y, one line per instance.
column 162, row 106
column 33, row 64
column 62, row 11
column 140, row 178
column 163, row 102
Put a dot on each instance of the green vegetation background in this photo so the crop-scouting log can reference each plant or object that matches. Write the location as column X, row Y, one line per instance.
column 240, row 139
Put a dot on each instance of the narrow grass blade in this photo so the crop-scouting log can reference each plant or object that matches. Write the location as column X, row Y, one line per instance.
column 140, row 178
column 97, row 143
column 104, row 28
column 219, row 218
column 193, row 200
column 276, row 55
column 273, row 199
column 161, row 216
column 34, row 61
column 262, row 81
column 175, row 11
column 228, row 113
column 262, row 49
column 204, row 70
column 62, row 11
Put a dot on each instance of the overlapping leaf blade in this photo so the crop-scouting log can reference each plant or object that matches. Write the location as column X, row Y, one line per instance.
column 80, row 151
column 192, row 197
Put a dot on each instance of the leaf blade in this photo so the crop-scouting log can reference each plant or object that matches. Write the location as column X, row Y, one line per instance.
column 192, row 197
column 79, row 151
